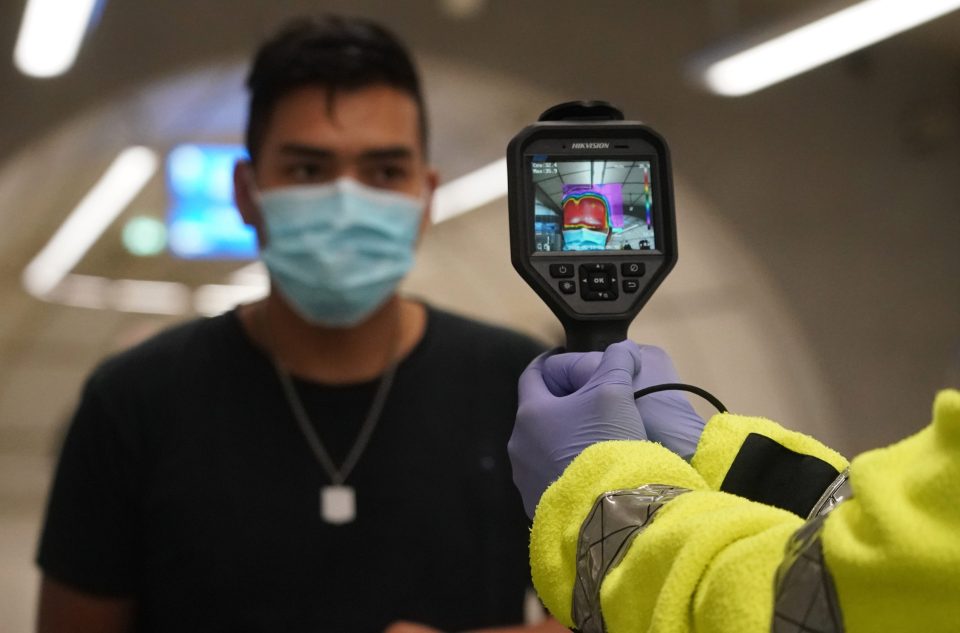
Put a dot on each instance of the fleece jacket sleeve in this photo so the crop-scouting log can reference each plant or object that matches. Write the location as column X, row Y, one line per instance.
column 894, row 548
column 706, row 560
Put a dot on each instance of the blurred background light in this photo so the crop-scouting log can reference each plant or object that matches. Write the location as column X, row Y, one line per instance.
column 144, row 236
column 462, row 9
column 50, row 35
column 121, row 182
column 202, row 220
column 212, row 299
column 143, row 296
column 818, row 42
column 148, row 296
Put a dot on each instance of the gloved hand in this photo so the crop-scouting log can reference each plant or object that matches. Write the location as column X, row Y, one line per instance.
column 560, row 414
column 667, row 415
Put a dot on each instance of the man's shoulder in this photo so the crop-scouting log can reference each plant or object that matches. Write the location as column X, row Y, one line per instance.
column 480, row 337
column 180, row 346
column 448, row 323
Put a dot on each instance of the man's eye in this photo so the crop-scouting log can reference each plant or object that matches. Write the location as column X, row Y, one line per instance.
column 388, row 174
column 304, row 172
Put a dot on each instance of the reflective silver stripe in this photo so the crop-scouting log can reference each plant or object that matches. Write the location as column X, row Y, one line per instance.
column 615, row 519
column 835, row 493
column 805, row 596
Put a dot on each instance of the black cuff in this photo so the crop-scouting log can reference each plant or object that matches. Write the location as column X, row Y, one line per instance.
column 770, row 473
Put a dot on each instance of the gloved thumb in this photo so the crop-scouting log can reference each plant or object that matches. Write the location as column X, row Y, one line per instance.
column 619, row 365
column 566, row 373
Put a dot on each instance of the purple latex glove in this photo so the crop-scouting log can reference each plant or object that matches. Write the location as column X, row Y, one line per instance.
column 667, row 416
column 560, row 414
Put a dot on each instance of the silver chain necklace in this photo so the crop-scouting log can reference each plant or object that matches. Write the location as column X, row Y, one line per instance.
column 338, row 501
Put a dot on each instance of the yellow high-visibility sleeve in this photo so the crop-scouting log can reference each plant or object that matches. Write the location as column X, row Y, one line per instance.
column 894, row 548
column 692, row 539
column 709, row 561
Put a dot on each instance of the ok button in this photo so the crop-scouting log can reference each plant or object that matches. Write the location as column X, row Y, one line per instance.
column 598, row 281
column 561, row 271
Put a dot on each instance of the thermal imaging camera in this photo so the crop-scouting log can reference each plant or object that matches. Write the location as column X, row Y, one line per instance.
column 592, row 221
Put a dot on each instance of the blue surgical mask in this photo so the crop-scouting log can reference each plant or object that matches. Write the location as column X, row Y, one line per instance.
column 584, row 240
column 337, row 251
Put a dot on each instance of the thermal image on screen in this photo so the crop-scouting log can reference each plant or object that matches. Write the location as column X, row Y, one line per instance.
column 596, row 205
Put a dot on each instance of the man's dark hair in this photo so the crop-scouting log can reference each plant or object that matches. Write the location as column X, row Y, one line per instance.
column 333, row 52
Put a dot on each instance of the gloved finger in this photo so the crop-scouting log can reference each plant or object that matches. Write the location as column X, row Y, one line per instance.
column 657, row 367
column 530, row 385
column 566, row 373
column 620, row 364
column 672, row 421
column 669, row 417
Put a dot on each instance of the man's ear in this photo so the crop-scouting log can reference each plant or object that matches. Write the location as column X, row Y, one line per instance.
column 244, row 181
column 433, row 179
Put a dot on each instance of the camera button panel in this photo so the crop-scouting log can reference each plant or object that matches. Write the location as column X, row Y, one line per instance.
column 611, row 291
column 598, row 282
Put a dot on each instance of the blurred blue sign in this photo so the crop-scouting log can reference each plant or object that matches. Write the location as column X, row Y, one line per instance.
column 202, row 221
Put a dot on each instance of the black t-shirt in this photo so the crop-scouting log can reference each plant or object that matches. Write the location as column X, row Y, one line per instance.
column 185, row 482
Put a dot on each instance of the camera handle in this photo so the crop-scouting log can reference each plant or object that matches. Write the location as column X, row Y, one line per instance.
column 594, row 336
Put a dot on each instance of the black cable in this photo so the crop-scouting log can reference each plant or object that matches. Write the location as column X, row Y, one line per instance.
column 678, row 386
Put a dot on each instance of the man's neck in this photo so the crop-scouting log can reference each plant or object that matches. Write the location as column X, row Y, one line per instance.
column 335, row 355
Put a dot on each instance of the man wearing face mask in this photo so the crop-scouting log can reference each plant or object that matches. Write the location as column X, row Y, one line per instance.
column 331, row 458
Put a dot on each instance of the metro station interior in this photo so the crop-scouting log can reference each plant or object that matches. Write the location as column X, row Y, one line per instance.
column 818, row 280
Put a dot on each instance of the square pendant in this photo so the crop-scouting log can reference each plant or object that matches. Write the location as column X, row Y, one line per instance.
column 338, row 504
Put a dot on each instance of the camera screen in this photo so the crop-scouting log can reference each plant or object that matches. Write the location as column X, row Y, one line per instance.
column 593, row 205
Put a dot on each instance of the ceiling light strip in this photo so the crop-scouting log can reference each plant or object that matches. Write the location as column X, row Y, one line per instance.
column 470, row 192
column 121, row 182
column 819, row 42
column 50, row 35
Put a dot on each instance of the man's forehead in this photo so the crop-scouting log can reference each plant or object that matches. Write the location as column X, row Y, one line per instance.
column 373, row 118
column 321, row 152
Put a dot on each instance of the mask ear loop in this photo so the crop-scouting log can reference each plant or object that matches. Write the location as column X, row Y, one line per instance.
column 677, row 386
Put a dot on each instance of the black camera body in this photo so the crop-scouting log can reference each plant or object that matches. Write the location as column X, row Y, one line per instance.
column 592, row 219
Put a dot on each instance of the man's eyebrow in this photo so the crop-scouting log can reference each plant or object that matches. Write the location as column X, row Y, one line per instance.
column 396, row 152
column 387, row 153
column 310, row 151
